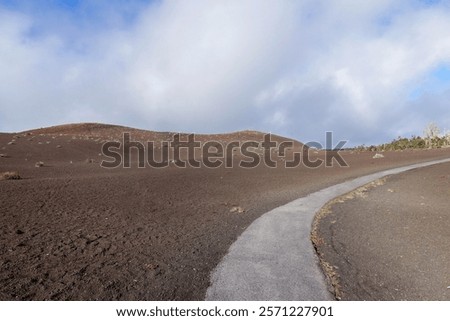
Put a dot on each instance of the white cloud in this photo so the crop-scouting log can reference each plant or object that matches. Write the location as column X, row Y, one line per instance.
column 295, row 68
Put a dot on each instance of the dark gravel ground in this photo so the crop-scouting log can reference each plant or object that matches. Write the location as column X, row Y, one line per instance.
column 393, row 241
column 72, row 230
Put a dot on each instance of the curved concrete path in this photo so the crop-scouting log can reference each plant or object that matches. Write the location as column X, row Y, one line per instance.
column 274, row 258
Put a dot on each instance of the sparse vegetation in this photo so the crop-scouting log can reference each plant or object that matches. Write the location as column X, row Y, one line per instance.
column 10, row 176
column 432, row 139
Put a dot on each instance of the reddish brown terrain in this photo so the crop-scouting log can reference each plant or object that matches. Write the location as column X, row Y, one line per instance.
column 72, row 230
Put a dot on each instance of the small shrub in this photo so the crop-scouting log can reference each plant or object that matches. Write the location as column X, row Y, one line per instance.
column 10, row 176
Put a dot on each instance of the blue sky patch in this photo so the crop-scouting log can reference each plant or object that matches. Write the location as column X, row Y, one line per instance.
column 436, row 81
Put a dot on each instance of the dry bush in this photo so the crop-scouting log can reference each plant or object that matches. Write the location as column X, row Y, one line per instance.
column 10, row 176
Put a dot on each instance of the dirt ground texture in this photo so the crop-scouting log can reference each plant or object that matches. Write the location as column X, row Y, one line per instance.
column 392, row 241
column 72, row 230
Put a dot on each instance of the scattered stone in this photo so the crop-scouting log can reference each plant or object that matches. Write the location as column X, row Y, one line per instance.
column 377, row 155
column 39, row 164
column 237, row 209
column 11, row 143
column 58, row 146
column 4, row 155
column 89, row 161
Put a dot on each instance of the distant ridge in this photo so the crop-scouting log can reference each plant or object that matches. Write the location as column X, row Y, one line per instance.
column 109, row 131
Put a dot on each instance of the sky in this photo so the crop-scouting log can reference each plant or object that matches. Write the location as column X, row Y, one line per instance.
column 369, row 71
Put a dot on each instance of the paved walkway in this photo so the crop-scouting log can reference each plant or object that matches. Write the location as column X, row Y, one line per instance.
column 274, row 258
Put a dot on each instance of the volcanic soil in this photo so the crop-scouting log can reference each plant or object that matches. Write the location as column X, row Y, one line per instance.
column 391, row 241
column 73, row 230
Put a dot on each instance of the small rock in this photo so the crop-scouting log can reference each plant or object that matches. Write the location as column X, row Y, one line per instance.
column 58, row 146
column 377, row 155
column 39, row 164
column 237, row 209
